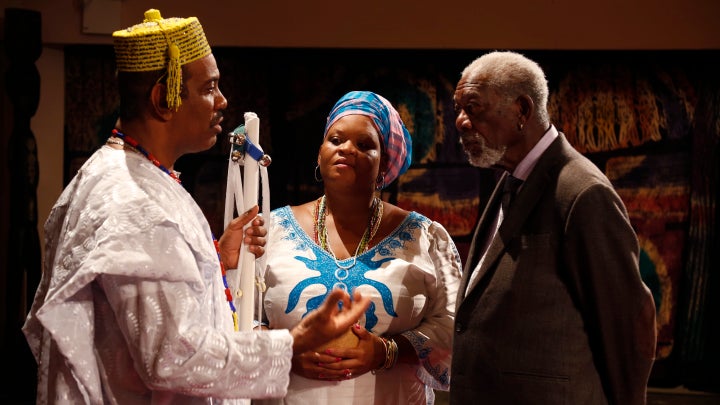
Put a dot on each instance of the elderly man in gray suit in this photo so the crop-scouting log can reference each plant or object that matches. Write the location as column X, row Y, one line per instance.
column 551, row 308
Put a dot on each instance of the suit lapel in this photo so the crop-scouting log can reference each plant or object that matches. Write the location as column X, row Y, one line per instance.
column 525, row 201
column 481, row 234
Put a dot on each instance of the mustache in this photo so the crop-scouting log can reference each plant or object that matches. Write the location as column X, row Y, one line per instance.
column 470, row 136
column 216, row 118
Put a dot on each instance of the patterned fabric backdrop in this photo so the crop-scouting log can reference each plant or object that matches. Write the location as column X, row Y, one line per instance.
column 656, row 192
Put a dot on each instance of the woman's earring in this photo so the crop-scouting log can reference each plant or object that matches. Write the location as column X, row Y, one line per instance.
column 318, row 176
column 380, row 182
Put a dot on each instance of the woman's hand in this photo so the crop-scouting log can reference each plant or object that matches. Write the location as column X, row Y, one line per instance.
column 343, row 363
column 313, row 365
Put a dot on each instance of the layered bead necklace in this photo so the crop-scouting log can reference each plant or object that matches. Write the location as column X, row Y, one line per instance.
column 321, row 233
column 135, row 145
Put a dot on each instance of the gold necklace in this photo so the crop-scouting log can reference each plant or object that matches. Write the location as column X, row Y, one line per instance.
column 370, row 231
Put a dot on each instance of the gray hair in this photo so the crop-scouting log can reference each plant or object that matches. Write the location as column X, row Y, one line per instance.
column 511, row 74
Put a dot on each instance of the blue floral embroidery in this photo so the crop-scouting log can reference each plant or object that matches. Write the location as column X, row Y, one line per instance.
column 332, row 276
column 441, row 374
column 284, row 218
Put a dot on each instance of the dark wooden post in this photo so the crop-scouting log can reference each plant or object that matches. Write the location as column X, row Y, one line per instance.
column 23, row 48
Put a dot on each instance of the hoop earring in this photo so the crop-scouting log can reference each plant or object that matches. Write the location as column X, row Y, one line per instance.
column 380, row 182
column 318, row 176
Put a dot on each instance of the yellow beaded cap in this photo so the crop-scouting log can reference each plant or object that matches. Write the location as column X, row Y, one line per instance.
column 157, row 44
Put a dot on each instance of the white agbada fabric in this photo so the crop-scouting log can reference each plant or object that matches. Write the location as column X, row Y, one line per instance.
column 411, row 277
column 131, row 308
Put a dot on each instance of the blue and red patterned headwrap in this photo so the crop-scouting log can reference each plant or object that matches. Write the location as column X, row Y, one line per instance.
column 396, row 138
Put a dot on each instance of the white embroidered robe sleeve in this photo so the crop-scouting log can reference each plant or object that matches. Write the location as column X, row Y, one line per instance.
column 432, row 338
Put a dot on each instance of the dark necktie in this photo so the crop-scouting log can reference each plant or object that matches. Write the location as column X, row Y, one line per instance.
column 510, row 188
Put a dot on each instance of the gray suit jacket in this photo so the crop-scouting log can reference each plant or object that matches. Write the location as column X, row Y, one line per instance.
column 558, row 313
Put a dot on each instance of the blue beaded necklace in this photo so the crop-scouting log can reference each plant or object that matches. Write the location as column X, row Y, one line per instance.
column 228, row 294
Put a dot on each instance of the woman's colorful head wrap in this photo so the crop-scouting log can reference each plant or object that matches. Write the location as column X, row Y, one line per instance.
column 396, row 138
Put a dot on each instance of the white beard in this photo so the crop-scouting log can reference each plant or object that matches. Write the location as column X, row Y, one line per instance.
column 479, row 154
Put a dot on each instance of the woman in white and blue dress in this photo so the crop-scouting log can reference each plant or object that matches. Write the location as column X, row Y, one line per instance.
column 349, row 238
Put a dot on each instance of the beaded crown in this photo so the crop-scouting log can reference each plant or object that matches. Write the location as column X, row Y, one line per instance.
column 161, row 43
